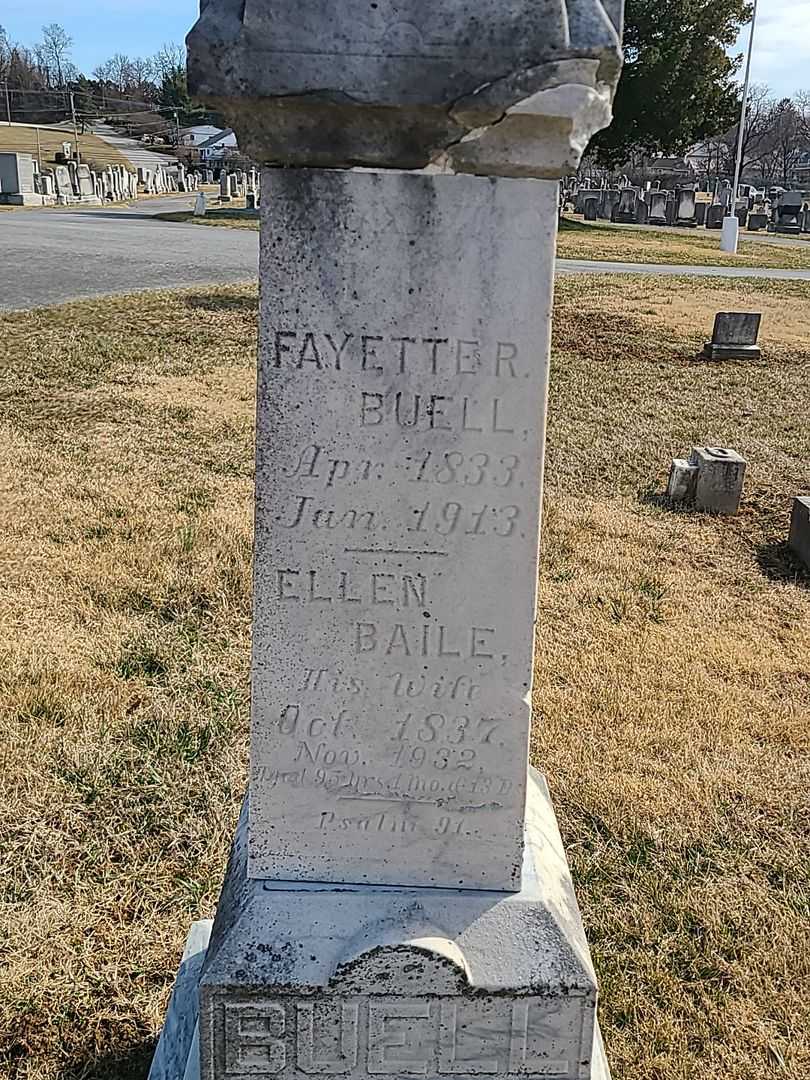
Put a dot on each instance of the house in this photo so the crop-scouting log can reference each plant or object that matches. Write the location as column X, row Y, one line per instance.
column 195, row 136
column 218, row 145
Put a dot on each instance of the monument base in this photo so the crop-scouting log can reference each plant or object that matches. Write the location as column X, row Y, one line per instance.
column 711, row 351
column 304, row 979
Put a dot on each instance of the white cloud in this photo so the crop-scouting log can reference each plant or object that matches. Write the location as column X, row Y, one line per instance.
column 781, row 45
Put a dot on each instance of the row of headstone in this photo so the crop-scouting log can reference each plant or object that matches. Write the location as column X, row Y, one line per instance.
column 776, row 210
column 240, row 185
column 23, row 183
column 163, row 180
column 633, row 206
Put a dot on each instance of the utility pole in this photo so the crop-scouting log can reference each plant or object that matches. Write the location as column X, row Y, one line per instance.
column 177, row 129
column 75, row 125
column 730, row 235
column 8, row 104
column 39, row 151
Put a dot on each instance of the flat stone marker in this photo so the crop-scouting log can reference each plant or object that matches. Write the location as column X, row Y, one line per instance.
column 397, row 900
column 800, row 529
column 734, row 336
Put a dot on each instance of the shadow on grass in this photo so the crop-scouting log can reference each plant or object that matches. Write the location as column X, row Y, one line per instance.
column 130, row 1064
column 778, row 562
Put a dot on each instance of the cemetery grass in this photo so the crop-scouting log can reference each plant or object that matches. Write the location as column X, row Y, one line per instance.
column 612, row 243
column 228, row 217
column 672, row 676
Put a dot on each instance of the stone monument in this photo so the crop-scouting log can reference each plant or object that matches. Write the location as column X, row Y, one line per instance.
column 397, row 900
column 711, row 480
column 17, row 186
column 734, row 336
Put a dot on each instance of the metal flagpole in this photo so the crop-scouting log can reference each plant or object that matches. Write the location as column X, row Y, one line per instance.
column 731, row 226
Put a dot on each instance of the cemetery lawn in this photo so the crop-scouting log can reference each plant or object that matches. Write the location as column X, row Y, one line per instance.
column 612, row 243
column 233, row 218
column 672, row 695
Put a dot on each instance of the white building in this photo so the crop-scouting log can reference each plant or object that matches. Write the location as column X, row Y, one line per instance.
column 196, row 136
column 218, row 145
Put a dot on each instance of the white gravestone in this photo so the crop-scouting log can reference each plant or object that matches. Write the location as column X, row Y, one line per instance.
column 397, row 901
column 401, row 426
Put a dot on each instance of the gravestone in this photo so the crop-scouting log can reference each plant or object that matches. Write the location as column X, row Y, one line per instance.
column 757, row 221
column 17, row 187
column 642, row 211
column 64, row 184
column 685, row 208
column 700, row 213
column 711, row 480
column 714, row 216
column 799, row 539
column 734, row 336
column 787, row 214
column 199, row 205
column 591, row 203
column 397, row 900
column 609, row 200
column 625, row 212
column 658, row 208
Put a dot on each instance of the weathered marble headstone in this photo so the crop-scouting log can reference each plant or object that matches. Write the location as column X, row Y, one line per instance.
column 658, row 208
column 397, row 900
column 685, row 207
column 734, row 336
column 624, row 212
column 711, row 480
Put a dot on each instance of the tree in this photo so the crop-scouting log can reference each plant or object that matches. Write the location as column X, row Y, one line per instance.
column 758, row 120
column 678, row 84
column 785, row 144
column 55, row 51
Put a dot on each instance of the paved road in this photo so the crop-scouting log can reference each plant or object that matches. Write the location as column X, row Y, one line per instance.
column 50, row 256
column 584, row 266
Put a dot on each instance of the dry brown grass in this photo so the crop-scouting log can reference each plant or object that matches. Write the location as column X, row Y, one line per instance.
column 230, row 215
column 22, row 139
column 612, row 243
column 672, row 676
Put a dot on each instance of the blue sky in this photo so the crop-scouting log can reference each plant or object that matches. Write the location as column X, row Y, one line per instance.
column 139, row 28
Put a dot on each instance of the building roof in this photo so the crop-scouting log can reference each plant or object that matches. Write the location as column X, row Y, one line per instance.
column 215, row 139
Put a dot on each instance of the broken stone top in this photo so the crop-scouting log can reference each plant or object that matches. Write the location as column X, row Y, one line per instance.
column 497, row 87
